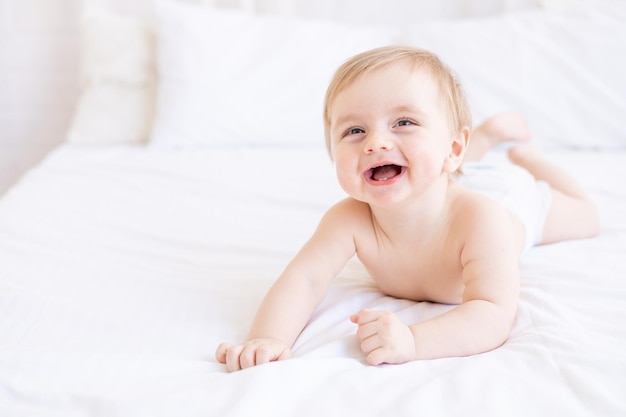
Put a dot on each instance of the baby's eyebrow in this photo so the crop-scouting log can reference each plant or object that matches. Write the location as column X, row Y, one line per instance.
column 406, row 109
column 345, row 118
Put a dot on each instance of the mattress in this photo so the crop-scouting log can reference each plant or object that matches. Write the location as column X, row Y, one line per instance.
column 123, row 267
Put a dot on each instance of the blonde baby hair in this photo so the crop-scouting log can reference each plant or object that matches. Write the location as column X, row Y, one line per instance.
column 450, row 90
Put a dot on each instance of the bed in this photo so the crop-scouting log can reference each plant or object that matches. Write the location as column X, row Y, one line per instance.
column 134, row 249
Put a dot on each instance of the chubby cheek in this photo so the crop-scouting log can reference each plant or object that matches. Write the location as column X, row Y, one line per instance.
column 425, row 163
column 347, row 173
column 424, row 171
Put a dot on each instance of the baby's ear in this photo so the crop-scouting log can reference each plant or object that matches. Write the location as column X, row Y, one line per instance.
column 457, row 150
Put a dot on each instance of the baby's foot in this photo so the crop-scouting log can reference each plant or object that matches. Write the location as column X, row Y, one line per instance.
column 523, row 154
column 504, row 127
column 501, row 128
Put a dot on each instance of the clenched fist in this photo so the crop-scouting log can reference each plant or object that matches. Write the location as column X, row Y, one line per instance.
column 383, row 337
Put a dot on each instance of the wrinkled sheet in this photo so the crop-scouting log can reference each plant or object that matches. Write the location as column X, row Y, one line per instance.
column 122, row 268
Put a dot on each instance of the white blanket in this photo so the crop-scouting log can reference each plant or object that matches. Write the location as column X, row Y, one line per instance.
column 121, row 269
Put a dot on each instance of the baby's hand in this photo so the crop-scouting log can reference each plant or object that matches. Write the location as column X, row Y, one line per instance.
column 384, row 338
column 252, row 353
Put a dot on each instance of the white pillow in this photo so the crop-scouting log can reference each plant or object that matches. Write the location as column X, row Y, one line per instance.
column 228, row 78
column 116, row 104
column 563, row 70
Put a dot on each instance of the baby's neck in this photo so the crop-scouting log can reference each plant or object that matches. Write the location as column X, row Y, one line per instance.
column 420, row 217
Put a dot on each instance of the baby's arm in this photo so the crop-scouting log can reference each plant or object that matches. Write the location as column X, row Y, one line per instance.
column 292, row 299
column 490, row 262
column 489, row 259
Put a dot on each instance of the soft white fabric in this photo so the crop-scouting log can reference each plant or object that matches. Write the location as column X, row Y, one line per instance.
column 121, row 269
column 562, row 70
column 231, row 78
column 118, row 90
column 389, row 12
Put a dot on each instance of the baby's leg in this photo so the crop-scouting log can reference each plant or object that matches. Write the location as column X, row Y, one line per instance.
column 503, row 127
column 572, row 215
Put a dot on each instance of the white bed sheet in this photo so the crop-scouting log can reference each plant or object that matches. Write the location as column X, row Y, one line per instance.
column 122, row 268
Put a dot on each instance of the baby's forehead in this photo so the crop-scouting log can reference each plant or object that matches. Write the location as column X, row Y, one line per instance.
column 402, row 71
column 399, row 71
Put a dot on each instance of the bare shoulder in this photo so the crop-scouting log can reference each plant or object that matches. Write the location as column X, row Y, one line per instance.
column 334, row 240
column 493, row 240
column 349, row 212
column 347, row 221
column 485, row 225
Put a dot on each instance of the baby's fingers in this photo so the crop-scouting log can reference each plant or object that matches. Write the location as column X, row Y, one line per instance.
column 232, row 357
column 248, row 356
column 268, row 353
column 365, row 316
column 376, row 357
column 220, row 352
column 252, row 353
column 264, row 355
column 229, row 355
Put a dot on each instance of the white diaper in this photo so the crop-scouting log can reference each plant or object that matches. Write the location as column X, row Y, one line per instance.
column 516, row 189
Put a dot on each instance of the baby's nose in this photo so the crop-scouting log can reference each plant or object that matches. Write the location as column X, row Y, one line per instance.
column 377, row 143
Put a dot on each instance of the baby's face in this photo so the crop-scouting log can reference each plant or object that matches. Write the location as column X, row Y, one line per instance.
column 389, row 135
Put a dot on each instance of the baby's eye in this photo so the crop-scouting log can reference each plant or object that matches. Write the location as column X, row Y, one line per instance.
column 354, row 131
column 405, row 122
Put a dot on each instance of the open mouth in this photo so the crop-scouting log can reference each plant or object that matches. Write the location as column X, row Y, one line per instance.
column 384, row 172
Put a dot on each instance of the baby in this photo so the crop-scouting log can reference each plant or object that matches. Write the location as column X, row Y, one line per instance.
column 398, row 129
